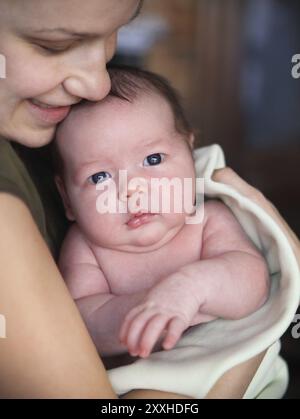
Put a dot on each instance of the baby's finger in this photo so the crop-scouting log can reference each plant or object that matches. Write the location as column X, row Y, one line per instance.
column 151, row 333
column 136, row 329
column 127, row 322
column 174, row 331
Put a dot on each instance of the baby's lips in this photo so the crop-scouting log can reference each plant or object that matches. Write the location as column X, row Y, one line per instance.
column 140, row 219
column 133, row 215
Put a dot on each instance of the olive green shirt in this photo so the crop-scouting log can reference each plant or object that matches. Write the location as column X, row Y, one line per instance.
column 27, row 174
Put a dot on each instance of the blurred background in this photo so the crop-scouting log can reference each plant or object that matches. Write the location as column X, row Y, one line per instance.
column 231, row 61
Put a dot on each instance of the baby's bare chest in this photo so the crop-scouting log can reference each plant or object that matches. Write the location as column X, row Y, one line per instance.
column 127, row 273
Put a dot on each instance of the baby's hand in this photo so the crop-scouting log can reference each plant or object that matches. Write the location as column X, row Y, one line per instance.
column 169, row 308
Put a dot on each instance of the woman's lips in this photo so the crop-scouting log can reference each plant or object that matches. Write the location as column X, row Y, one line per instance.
column 139, row 220
column 51, row 114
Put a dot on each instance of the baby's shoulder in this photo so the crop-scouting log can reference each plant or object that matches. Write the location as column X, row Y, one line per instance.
column 216, row 210
column 74, row 236
column 75, row 247
column 215, row 207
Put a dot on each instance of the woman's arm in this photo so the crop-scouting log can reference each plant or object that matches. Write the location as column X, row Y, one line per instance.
column 229, row 177
column 232, row 385
column 47, row 352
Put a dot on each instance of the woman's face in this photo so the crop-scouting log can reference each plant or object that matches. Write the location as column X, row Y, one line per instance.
column 56, row 54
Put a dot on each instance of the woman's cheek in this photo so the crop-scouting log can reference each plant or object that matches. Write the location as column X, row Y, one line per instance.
column 111, row 46
column 33, row 75
column 40, row 80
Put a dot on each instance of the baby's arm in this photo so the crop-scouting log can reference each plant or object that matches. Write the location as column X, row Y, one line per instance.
column 230, row 281
column 102, row 311
column 235, row 277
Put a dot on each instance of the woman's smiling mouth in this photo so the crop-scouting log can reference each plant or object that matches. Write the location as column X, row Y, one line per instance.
column 48, row 113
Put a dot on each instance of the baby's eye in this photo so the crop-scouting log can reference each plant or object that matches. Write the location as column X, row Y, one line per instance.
column 99, row 178
column 154, row 159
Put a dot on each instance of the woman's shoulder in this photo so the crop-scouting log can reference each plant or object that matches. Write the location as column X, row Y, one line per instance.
column 12, row 172
column 9, row 172
column 26, row 174
column 15, row 180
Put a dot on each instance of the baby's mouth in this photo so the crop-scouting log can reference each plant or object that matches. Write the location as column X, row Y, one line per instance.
column 139, row 219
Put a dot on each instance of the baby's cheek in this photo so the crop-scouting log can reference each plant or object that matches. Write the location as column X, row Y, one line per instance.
column 86, row 200
column 87, row 209
column 98, row 228
column 84, row 207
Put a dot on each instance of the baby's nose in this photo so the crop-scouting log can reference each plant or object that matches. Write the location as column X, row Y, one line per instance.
column 135, row 195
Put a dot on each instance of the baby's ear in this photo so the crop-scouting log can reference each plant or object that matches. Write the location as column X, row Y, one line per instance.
column 64, row 196
column 191, row 140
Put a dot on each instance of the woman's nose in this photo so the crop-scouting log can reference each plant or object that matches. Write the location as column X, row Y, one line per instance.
column 89, row 85
column 89, row 80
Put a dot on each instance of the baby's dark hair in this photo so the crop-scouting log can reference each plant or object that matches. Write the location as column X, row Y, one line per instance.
column 128, row 82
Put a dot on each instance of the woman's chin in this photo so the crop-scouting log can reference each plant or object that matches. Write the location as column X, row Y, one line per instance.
column 34, row 138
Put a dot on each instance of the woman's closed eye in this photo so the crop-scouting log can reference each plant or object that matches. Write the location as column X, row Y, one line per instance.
column 99, row 177
column 54, row 48
column 154, row 159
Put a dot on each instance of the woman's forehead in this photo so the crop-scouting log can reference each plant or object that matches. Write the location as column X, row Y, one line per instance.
column 69, row 16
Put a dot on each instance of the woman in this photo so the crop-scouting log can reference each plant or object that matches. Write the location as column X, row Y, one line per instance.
column 56, row 54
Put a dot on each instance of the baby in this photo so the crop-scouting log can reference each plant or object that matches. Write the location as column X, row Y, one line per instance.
column 139, row 276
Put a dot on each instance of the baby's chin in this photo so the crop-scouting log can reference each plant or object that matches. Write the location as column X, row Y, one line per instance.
column 148, row 239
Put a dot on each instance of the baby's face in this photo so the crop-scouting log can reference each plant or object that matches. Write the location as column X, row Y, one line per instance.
column 96, row 142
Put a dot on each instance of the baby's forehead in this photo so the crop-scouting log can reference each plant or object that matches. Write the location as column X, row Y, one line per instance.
column 86, row 113
column 83, row 116
column 113, row 122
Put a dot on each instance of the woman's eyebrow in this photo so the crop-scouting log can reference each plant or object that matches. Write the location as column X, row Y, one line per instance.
column 86, row 34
